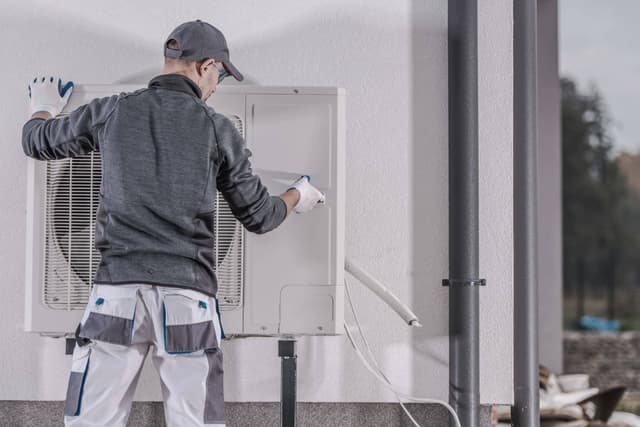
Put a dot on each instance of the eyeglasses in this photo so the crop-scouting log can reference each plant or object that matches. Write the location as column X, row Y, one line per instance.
column 222, row 72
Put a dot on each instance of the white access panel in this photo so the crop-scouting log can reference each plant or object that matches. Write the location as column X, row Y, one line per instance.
column 298, row 266
column 292, row 277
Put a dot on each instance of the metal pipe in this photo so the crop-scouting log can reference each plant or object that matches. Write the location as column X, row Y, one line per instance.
column 525, row 411
column 464, row 383
column 288, row 381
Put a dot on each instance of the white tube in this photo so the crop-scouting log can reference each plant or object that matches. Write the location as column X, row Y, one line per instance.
column 385, row 295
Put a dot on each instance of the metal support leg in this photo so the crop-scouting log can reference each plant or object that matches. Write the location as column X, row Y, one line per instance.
column 287, row 351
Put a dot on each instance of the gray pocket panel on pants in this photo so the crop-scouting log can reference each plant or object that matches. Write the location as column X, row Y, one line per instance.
column 74, row 390
column 77, row 378
column 112, row 329
column 191, row 337
column 214, row 400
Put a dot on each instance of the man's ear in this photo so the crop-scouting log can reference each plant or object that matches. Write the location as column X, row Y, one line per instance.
column 199, row 69
column 202, row 66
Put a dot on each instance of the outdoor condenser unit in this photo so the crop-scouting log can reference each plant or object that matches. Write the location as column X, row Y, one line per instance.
column 288, row 281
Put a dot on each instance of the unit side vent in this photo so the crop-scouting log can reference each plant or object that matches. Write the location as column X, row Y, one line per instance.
column 230, row 249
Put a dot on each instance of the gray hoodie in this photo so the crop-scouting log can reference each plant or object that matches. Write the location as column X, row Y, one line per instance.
column 164, row 153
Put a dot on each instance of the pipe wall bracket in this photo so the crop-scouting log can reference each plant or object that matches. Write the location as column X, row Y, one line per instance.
column 464, row 282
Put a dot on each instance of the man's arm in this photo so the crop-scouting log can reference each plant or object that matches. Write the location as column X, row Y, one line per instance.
column 42, row 115
column 291, row 198
column 247, row 197
column 45, row 138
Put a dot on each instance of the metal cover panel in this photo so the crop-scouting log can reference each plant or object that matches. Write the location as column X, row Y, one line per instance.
column 308, row 245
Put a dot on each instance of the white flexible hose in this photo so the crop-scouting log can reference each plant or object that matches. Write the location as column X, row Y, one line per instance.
column 379, row 289
column 377, row 371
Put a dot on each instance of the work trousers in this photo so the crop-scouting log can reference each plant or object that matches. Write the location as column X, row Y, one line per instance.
column 119, row 326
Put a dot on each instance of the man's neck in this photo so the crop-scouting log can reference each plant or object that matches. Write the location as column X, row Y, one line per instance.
column 181, row 81
column 181, row 71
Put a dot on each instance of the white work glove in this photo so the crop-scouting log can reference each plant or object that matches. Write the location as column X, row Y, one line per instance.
column 47, row 94
column 310, row 196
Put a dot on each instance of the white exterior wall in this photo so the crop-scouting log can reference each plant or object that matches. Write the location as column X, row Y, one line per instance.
column 392, row 59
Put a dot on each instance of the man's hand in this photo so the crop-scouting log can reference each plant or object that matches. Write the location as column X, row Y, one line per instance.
column 290, row 198
column 41, row 115
column 48, row 96
column 309, row 195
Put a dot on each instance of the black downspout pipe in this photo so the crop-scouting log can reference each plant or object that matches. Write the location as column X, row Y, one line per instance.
column 463, row 282
column 525, row 411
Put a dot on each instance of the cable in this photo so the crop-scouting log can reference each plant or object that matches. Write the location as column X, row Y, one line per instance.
column 366, row 343
column 379, row 374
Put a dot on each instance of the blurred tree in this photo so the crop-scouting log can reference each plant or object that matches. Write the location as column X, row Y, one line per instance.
column 601, row 216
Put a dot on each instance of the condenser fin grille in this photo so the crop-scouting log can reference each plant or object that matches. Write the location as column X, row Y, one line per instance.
column 72, row 196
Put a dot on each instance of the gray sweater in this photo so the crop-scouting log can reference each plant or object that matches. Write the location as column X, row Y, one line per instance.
column 164, row 152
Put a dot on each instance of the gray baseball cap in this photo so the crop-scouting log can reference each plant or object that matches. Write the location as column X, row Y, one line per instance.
column 198, row 40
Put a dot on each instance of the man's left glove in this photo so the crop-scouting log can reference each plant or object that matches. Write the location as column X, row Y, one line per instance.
column 47, row 94
column 310, row 196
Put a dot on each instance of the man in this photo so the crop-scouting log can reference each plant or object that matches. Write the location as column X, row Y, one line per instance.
column 164, row 155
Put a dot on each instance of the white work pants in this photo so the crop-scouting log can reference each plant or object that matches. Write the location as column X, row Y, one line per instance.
column 119, row 326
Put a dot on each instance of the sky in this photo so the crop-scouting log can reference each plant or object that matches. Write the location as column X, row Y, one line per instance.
column 600, row 45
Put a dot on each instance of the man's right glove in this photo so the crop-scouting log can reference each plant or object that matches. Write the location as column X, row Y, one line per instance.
column 309, row 195
column 47, row 94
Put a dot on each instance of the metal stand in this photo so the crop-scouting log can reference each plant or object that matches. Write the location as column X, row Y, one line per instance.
column 69, row 345
column 287, row 351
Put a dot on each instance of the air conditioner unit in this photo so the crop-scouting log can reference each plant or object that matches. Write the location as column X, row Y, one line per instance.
column 288, row 281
